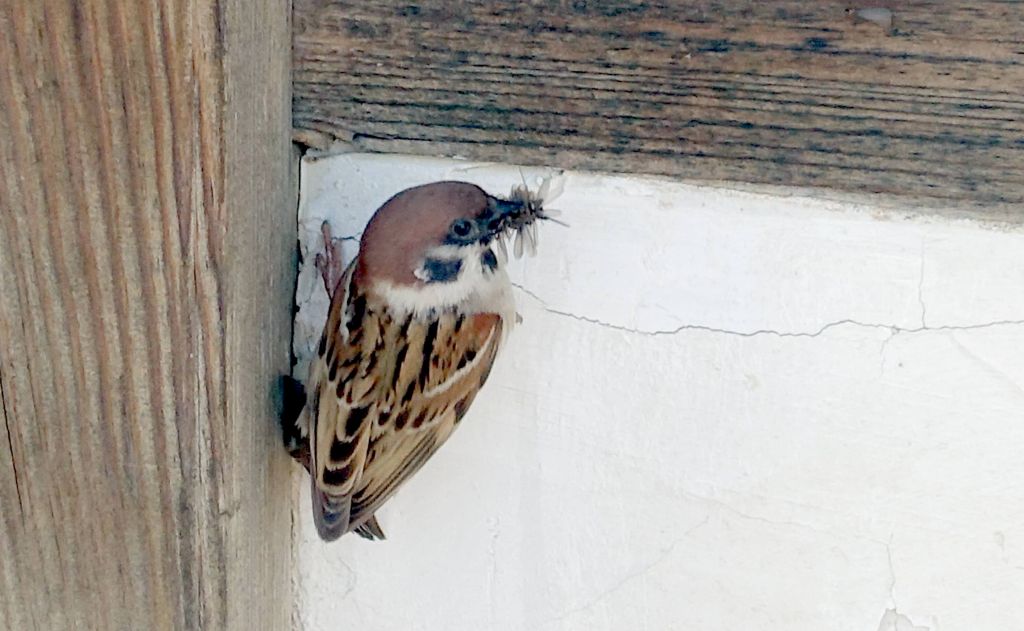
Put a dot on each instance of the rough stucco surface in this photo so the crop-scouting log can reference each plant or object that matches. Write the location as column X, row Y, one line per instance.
column 722, row 410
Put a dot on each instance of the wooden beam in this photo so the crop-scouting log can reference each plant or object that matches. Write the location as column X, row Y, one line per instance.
column 783, row 92
column 146, row 262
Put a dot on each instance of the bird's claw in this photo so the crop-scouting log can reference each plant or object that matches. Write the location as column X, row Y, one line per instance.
column 328, row 262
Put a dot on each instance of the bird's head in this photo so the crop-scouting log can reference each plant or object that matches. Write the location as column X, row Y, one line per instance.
column 442, row 244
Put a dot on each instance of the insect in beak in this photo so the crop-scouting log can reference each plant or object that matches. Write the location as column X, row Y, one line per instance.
column 513, row 218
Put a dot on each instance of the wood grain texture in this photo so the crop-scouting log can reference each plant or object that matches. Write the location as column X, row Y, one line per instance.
column 782, row 92
column 146, row 262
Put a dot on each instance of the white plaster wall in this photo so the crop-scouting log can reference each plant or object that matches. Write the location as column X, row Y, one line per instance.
column 723, row 410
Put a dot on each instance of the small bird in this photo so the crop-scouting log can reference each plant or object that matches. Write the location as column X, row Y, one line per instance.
column 414, row 325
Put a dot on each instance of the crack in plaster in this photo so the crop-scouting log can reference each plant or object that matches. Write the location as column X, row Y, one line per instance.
column 881, row 351
column 895, row 329
column 892, row 619
column 351, row 586
column 892, row 574
column 729, row 508
column 663, row 556
column 987, row 366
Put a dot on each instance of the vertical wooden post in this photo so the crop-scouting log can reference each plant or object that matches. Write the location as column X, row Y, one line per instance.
column 146, row 259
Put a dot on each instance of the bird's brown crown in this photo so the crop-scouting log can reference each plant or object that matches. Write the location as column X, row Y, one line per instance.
column 412, row 222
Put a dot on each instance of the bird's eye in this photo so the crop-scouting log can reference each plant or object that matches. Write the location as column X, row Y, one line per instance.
column 462, row 228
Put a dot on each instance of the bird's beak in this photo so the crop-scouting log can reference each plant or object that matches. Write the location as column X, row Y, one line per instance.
column 505, row 216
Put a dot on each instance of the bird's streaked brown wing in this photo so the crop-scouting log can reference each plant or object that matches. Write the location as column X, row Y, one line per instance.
column 336, row 395
column 433, row 399
column 387, row 395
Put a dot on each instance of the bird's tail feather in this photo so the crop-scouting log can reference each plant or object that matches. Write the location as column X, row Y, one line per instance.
column 330, row 513
column 370, row 529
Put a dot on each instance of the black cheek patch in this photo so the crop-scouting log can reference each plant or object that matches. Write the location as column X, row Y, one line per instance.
column 442, row 270
column 489, row 260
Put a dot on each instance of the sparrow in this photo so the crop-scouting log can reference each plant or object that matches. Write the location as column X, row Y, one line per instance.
column 414, row 326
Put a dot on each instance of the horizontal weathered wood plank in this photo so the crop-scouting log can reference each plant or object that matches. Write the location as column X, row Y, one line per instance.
column 146, row 264
column 783, row 92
